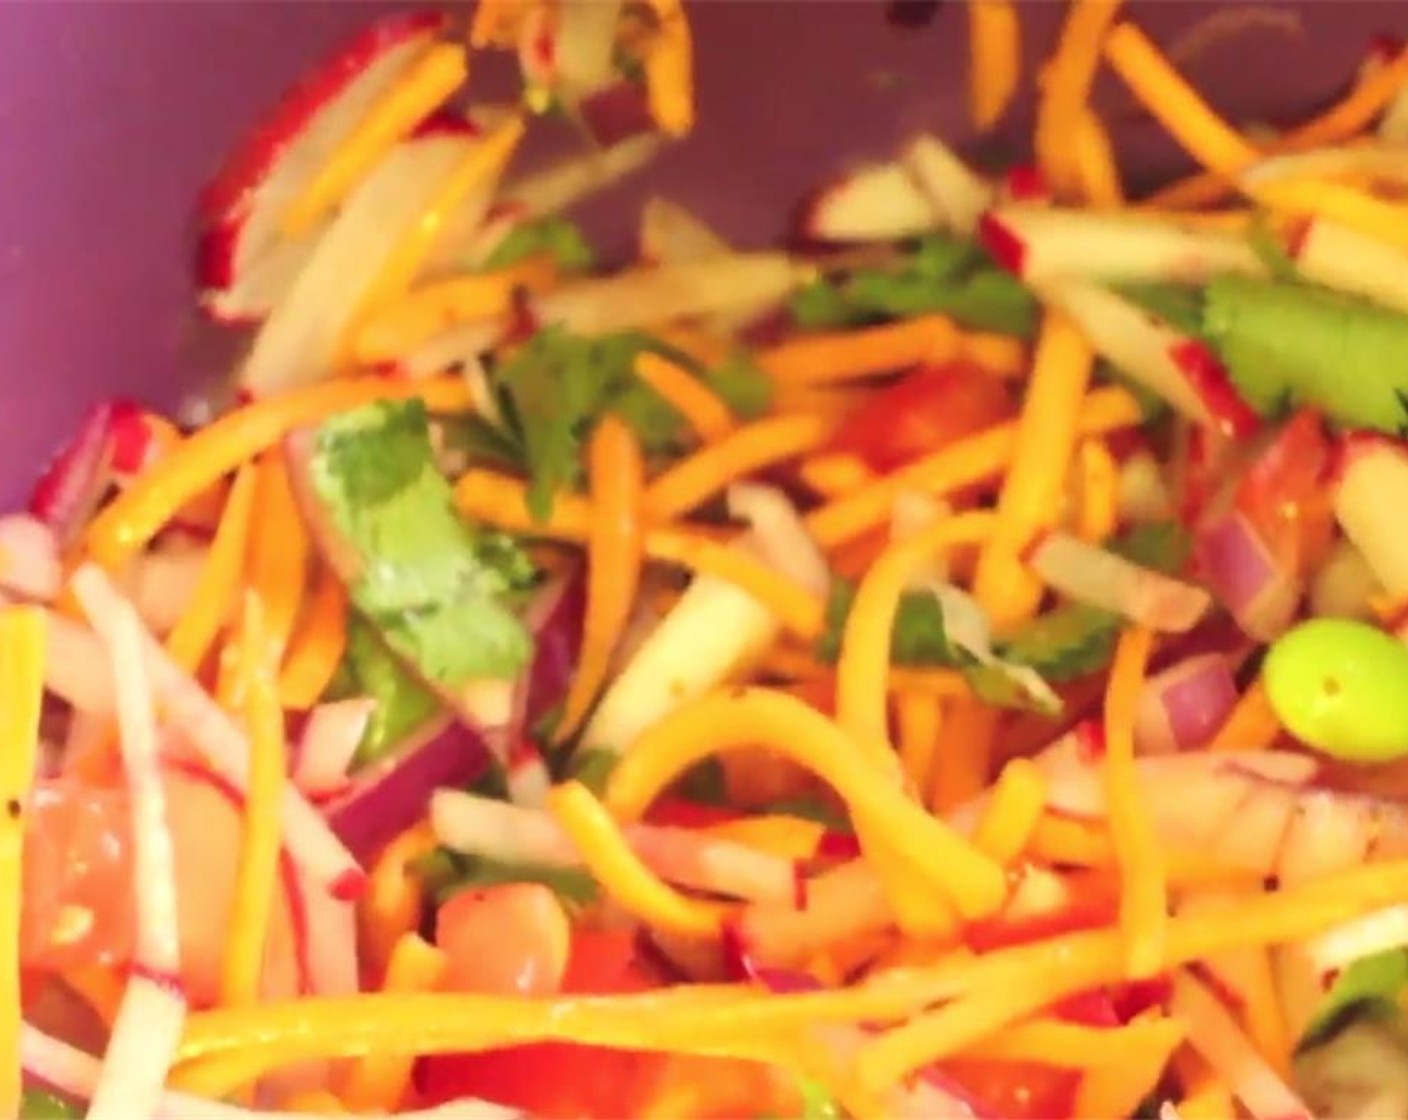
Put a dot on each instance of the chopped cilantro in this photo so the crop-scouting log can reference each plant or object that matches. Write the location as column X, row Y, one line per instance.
column 36, row 1104
column 592, row 768
column 1178, row 305
column 370, row 669
column 553, row 235
column 919, row 637
column 1370, row 986
column 445, row 873
column 938, row 274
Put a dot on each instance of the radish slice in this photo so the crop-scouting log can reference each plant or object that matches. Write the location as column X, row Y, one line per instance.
column 245, row 266
column 876, row 203
column 1245, row 576
column 329, row 741
column 1340, row 947
column 1379, row 161
column 564, row 184
column 1329, row 832
column 782, row 538
column 1213, row 1032
column 30, row 566
column 301, row 340
column 958, row 193
column 1344, row 586
column 1371, row 483
column 1179, row 369
column 497, row 830
column 583, row 48
column 1182, row 707
column 211, row 732
column 670, row 234
column 73, row 482
column 149, row 1022
column 1342, row 258
column 1044, row 243
column 1093, row 575
column 1144, row 494
column 331, row 941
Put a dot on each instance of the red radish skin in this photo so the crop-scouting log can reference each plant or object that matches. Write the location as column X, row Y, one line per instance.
column 1005, row 246
column 1211, row 382
column 1025, row 183
column 75, row 478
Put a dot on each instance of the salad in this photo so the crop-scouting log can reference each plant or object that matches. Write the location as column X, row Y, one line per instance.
column 952, row 666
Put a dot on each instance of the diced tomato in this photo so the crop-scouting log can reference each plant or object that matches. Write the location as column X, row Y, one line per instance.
column 922, row 413
column 678, row 812
column 1017, row 1090
column 510, row 940
column 1284, row 495
column 562, row 1080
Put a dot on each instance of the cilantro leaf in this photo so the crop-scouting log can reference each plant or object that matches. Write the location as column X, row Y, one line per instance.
column 37, row 1104
column 402, row 702
column 1178, row 305
column 553, row 235
column 938, row 274
column 1371, row 985
column 444, row 873
column 740, row 383
column 918, row 637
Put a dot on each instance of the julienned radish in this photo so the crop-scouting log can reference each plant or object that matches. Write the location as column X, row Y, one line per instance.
column 1370, row 490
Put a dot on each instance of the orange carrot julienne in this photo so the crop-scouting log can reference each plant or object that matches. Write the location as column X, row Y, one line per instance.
column 392, row 905
column 833, row 473
column 1071, row 73
column 318, row 646
column 852, row 355
column 615, row 545
column 1252, row 724
column 919, row 716
column 278, row 552
column 994, row 59
column 701, row 407
column 965, row 754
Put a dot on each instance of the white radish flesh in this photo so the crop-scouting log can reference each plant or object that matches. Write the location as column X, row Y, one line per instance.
column 1372, row 489
column 876, row 203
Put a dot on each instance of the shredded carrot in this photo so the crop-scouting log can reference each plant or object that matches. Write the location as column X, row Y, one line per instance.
column 702, row 408
column 1018, row 800
column 480, row 168
column 920, row 718
column 1252, row 724
column 410, row 99
column 403, row 324
column 994, row 59
column 864, row 662
column 279, row 551
column 123, row 529
column 750, row 717
column 1076, row 1046
column 1143, row 902
column 973, row 459
column 789, row 837
column 744, row 452
column 1062, row 107
column 703, row 347
column 496, row 22
column 1211, row 1102
column 825, row 359
column 257, row 884
column 833, row 473
column 997, row 353
column 835, row 402
column 669, row 69
column 1063, row 840
column 1116, row 1088
column 965, row 754
column 1348, row 205
column 391, row 908
column 793, row 664
column 1097, row 511
column 1031, row 493
column 502, row 501
column 318, row 645
column 613, row 864
column 22, row 642
column 1098, row 168
column 314, row 1102
column 99, row 987
column 214, row 599
column 614, row 555
column 378, row 1082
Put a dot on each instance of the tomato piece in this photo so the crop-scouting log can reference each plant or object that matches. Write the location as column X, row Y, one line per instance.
column 562, row 1080
column 511, row 939
column 1284, row 495
column 923, row 412
column 1017, row 1090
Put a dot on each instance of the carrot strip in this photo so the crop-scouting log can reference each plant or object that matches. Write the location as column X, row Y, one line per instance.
column 100, row 988
column 994, row 59
column 1143, row 901
column 702, row 408
column 1096, row 164
column 315, row 1102
column 410, row 99
column 1115, row 1088
column 751, row 717
column 495, row 23
column 1076, row 1046
column 749, row 449
column 131, row 520
column 391, row 908
column 1097, row 512
column 1213, row 1101
column 220, row 578
column 614, row 558
column 973, row 459
column 825, row 359
column 669, row 69
column 1066, row 841
column 997, row 353
column 318, row 646
column 965, row 754
column 22, row 641
column 257, row 883
column 612, row 863
column 920, row 716
column 833, row 473
column 278, row 553
column 1018, row 800
column 1252, row 724
column 1031, row 494
column 1066, row 94
column 403, row 324
column 378, row 1082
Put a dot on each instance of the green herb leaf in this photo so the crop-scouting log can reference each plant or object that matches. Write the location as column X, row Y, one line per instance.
column 554, row 235
column 741, row 384
column 938, row 274
column 402, row 702
column 919, row 637
column 1179, row 305
column 1371, row 985
column 593, row 768
column 444, row 873
column 440, row 593
column 36, row 1104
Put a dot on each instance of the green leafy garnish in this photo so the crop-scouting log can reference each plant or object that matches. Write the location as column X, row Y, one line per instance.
column 556, row 387
column 938, row 274
column 918, row 638
column 370, row 669
column 440, row 592
column 1179, row 305
column 808, row 809
column 553, row 235
column 1287, row 345
column 36, row 1104
column 444, row 873
column 1370, row 986
column 592, row 768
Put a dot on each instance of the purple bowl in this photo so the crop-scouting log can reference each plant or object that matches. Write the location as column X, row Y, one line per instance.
column 112, row 115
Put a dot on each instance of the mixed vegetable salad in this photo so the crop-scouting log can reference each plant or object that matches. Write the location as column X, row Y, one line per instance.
column 952, row 668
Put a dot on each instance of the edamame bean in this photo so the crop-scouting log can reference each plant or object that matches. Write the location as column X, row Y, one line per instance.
column 1341, row 687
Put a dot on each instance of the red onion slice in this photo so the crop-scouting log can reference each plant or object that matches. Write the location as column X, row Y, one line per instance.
column 1244, row 575
column 1181, row 708
column 69, row 489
